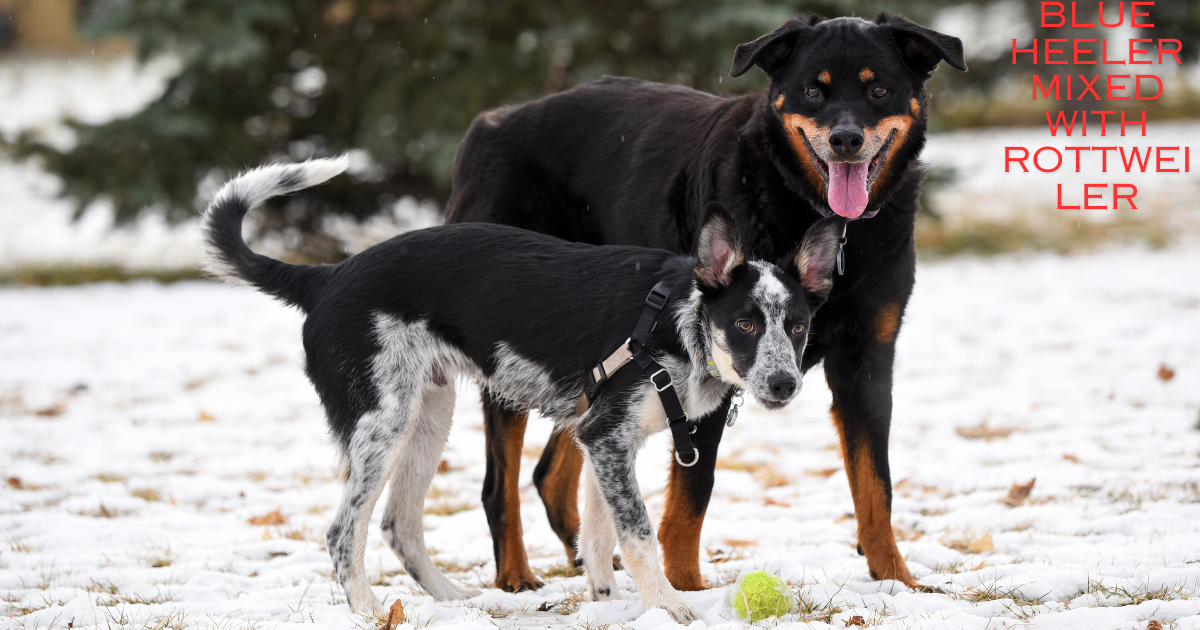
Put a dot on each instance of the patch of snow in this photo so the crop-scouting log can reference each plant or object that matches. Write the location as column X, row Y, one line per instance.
column 144, row 426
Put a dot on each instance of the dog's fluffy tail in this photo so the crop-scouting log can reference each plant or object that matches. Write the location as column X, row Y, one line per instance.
column 230, row 259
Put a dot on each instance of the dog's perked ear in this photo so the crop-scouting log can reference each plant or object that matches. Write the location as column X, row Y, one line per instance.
column 718, row 250
column 771, row 51
column 814, row 259
column 921, row 47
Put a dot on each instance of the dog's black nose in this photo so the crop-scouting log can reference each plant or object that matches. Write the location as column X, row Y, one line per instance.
column 846, row 141
column 782, row 385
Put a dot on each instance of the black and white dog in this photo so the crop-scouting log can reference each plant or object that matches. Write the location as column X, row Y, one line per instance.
column 388, row 330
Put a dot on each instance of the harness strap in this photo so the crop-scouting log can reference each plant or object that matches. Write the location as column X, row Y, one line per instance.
column 634, row 349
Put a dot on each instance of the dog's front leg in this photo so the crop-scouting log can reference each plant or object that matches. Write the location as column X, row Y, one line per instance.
column 597, row 540
column 860, row 377
column 610, row 457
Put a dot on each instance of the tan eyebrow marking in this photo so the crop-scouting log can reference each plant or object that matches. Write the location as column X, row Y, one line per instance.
column 779, row 102
column 866, row 75
column 825, row 77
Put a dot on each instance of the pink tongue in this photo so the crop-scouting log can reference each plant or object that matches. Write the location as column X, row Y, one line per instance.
column 848, row 188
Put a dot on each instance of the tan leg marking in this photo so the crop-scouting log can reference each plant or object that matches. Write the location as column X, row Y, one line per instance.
column 513, row 573
column 875, row 534
column 679, row 534
column 887, row 323
column 560, row 489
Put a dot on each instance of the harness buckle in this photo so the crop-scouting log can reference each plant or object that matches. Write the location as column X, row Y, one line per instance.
column 695, row 458
column 658, row 387
column 657, row 298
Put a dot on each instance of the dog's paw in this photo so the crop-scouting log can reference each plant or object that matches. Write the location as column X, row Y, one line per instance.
column 681, row 611
column 518, row 583
column 605, row 592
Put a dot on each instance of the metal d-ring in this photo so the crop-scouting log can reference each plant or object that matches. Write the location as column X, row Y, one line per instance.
column 695, row 458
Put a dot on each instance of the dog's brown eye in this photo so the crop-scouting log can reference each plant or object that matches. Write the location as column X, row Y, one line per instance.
column 879, row 91
column 813, row 93
column 745, row 325
column 797, row 329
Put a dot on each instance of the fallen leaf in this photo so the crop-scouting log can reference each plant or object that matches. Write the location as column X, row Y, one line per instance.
column 983, row 432
column 856, row 620
column 395, row 616
column 443, row 466
column 266, row 534
column 545, row 607
column 205, row 416
column 735, row 543
column 270, row 518
column 1154, row 625
column 822, row 472
column 15, row 483
column 1165, row 373
column 1071, row 458
column 51, row 411
column 1018, row 493
column 982, row 565
column 981, row 545
column 770, row 501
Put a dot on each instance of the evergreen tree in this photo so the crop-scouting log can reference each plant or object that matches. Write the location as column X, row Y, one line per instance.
column 400, row 79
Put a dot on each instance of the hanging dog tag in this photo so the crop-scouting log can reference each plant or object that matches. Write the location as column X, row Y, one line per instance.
column 732, row 416
column 841, row 257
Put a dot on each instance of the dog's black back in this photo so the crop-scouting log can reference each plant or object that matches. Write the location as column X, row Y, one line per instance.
column 410, row 277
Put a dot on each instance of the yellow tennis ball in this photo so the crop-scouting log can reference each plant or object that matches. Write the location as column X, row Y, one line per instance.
column 759, row 595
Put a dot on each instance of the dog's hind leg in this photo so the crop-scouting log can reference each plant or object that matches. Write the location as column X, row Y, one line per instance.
column 372, row 450
column 505, row 433
column 556, row 478
column 403, row 527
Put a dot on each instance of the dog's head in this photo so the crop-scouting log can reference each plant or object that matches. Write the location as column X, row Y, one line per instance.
column 756, row 314
column 848, row 98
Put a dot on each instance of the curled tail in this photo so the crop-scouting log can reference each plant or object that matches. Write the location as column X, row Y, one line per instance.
column 230, row 259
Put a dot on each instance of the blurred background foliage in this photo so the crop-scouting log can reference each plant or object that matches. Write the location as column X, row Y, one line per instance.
column 399, row 81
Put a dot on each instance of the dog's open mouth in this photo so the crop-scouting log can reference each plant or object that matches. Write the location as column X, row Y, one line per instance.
column 848, row 184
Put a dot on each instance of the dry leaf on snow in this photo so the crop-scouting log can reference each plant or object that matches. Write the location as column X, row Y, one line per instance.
column 270, row 518
column 1018, row 493
column 1165, row 373
column 395, row 616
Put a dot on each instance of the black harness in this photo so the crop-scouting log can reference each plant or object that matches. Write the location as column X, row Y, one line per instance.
column 635, row 350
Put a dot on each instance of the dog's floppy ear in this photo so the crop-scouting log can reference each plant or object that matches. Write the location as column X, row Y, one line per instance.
column 816, row 256
column 921, row 47
column 718, row 250
column 772, row 50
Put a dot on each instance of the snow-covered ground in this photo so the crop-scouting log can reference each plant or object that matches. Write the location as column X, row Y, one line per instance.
column 146, row 427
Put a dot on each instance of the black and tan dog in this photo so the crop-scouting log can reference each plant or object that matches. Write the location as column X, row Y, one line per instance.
column 837, row 132
column 527, row 315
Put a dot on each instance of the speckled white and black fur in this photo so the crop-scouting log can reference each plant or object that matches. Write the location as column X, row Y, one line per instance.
column 389, row 330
